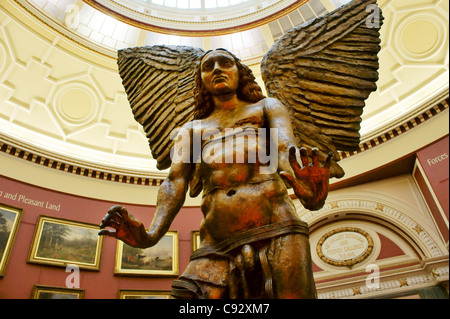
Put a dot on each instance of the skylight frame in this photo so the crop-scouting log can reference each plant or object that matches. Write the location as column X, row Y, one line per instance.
column 203, row 5
column 196, row 23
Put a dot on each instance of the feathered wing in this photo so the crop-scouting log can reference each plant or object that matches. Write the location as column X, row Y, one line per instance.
column 323, row 71
column 159, row 82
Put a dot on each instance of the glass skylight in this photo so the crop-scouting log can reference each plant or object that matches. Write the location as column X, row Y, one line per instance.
column 245, row 44
column 339, row 3
column 311, row 10
column 196, row 4
column 114, row 34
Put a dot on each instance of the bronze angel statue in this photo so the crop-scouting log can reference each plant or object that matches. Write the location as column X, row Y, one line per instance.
column 207, row 120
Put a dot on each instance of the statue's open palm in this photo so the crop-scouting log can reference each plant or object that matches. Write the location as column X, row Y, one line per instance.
column 311, row 179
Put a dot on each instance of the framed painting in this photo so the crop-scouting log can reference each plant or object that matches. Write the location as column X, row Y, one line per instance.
column 195, row 238
column 159, row 260
column 60, row 242
column 144, row 294
column 48, row 292
column 9, row 225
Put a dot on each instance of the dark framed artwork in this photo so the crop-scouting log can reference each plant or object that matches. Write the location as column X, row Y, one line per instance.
column 159, row 260
column 9, row 224
column 50, row 292
column 60, row 242
column 144, row 294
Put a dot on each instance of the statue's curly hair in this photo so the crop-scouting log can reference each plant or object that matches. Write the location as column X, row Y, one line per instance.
column 248, row 90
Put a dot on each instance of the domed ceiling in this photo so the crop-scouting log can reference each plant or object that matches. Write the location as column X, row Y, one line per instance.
column 196, row 17
column 61, row 95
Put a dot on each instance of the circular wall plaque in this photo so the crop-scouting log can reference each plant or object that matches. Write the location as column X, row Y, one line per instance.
column 345, row 246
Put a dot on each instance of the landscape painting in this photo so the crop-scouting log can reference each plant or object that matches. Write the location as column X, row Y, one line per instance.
column 9, row 224
column 159, row 260
column 60, row 242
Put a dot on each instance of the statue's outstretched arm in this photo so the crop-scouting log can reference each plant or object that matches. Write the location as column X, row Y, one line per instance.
column 171, row 196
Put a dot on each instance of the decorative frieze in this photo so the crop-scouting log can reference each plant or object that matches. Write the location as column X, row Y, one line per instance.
column 384, row 211
column 387, row 287
column 127, row 179
column 404, row 127
column 78, row 170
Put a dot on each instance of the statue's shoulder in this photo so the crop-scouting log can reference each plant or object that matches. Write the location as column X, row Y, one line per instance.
column 271, row 100
column 270, row 103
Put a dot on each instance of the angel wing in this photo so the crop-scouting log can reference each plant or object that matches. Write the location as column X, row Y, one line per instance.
column 159, row 82
column 323, row 71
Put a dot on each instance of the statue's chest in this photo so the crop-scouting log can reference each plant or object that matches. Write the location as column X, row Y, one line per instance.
column 248, row 117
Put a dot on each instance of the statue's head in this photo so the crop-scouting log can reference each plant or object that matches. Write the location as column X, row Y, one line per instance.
column 247, row 89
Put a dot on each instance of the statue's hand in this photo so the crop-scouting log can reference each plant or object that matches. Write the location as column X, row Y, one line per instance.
column 311, row 180
column 125, row 227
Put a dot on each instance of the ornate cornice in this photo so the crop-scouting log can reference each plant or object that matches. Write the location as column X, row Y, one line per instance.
column 380, row 210
column 77, row 169
column 20, row 151
column 401, row 282
column 400, row 129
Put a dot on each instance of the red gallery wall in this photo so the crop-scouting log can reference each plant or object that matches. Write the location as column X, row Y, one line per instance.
column 20, row 276
column 435, row 163
column 434, row 160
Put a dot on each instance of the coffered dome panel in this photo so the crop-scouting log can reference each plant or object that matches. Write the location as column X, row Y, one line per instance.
column 413, row 63
column 76, row 104
column 3, row 58
column 421, row 36
column 426, row 33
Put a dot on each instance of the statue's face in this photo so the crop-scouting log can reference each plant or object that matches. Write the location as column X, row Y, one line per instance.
column 219, row 72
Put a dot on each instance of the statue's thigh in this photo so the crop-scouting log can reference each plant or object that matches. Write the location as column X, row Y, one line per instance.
column 208, row 278
column 290, row 260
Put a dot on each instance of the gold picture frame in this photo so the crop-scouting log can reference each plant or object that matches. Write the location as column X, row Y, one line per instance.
column 144, row 294
column 9, row 225
column 50, row 292
column 60, row 242
column 195, row 239
column 160, row 260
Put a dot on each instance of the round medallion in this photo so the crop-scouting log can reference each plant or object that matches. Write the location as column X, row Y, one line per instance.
column 345, row 246
column 419, row 36
column 76, row 104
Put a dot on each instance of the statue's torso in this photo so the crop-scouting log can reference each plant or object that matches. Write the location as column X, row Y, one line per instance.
column 241, row 187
